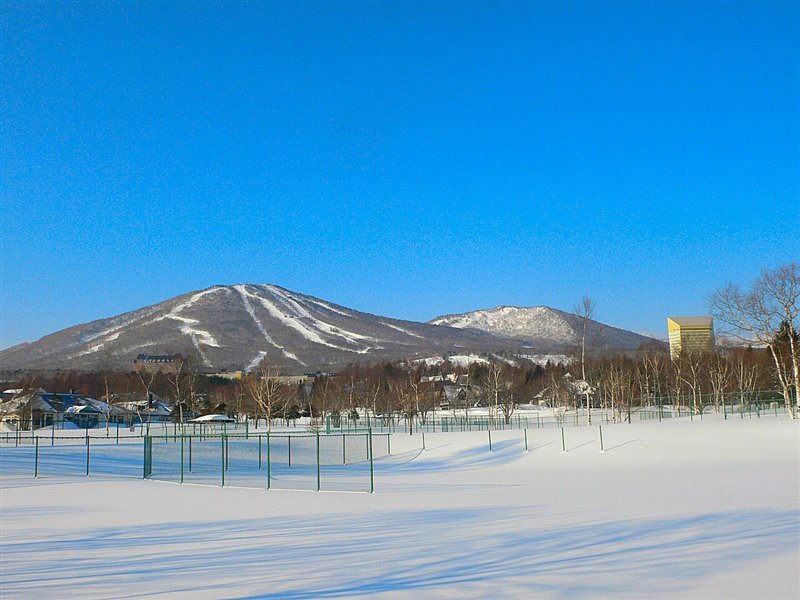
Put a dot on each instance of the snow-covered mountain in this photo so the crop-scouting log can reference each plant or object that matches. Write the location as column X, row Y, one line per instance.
column 234, row 326
column 543, row 328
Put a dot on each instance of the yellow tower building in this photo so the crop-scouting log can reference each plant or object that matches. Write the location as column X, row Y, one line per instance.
column 691, row 334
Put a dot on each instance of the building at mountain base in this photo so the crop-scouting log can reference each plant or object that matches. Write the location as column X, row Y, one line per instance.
column 167, row 363
column 690, row 334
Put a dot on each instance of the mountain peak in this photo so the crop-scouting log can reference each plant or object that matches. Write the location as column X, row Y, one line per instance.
column 534, row 323
column 541, row 326
column 235, row 326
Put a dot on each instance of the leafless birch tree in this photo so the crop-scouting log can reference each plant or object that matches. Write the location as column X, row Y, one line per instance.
column 757, row 316
column 584, row 312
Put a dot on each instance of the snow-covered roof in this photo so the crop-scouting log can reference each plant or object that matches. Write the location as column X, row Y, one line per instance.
column 75, row 409
column 212, row 419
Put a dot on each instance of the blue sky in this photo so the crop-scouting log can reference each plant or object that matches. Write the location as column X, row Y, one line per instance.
column 405, row 159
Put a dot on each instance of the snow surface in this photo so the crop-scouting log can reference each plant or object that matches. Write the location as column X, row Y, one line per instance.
column 543, row 359
column 290, row 318
column 198, row 336
column 458, row 360
column 465, row 360
column 401, row 329
column 243, row 293
column 703, row 509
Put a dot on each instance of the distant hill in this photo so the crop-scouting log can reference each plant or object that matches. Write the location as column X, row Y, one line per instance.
column 234, row 326
column 544, row 327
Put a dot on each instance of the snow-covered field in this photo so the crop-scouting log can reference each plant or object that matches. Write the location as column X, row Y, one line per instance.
column 678, row 509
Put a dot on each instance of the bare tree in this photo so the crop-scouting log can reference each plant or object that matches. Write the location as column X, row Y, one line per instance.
column 267, row 391
column 758, row 316
column 494, row 382
column 620, row 384
column 584, row 312
column 321, row 393
column 106, row 367
column 192, row 366
column 403, row 391
column 557, row 391
column 719, row 376
column 746, row 374
column 689, row 367
column 515, row 389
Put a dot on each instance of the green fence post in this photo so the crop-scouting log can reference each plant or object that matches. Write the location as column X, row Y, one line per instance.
column 259, row 452
column 222, row 456
column 227, row 453
column 344, row 450
column 318, row 477
column 289, row 440
column 563, row 441
column 602, row 449
column 87, row 453
column 371, row 466
column 423, row 441
column 269, row 463
column 490, row 440
column 247, row 429
column 190, row 453
column 181, row 456
column 53, row 434
column 36, row 460
column 526, row 440
column 389, row 444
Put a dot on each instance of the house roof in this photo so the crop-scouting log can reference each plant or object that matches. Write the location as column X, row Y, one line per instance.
column 14, row 405
column 48, row 402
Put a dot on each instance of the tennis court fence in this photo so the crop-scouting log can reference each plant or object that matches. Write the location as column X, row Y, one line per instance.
column 308, row 461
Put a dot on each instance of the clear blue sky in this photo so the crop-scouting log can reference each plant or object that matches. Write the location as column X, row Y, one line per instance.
column 403, row 159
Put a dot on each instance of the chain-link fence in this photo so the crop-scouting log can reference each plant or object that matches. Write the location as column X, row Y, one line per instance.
column 121, row 433
column 753, row 404
column 56, row 437
column 319, row 462
column 70, row 456
column 309, row 461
